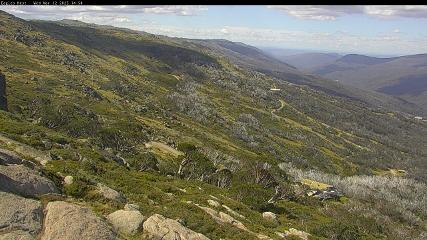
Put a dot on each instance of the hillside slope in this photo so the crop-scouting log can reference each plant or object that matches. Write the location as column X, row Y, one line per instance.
column 191, row 130
column 404, row 77
column 308, row 61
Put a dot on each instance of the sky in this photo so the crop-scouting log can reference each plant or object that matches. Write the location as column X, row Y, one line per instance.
column 372, row 30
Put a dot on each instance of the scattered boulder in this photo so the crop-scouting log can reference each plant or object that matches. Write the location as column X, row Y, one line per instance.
column 68, row 180
column 297, row 233
column 24, row 181
column 91, row 92
column 9, row 157
column 18, row 213
column 281, row 235
column 73, row 60
column 214, row 203
column 17, row 235
column 262, row 236
column 159, row 227
column 110, row 193
column 72, row 222
column 128, row 222
column 3, row 99
column 270, row 217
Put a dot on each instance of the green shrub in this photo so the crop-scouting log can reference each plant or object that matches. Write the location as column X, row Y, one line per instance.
column 144, row 162
column 253, row 195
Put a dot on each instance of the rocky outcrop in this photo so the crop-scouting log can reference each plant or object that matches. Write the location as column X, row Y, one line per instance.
column 159, row 227
column 25, row 150
column 236, row 214
column 18, row 213
column 213, row 203
column 128, row 222
column 72, row 222
column 17, row 235
column 9, row 157
column 3, row 99
column 221, row 217
column 24, row 181
column 110, row 193
column 224, row 218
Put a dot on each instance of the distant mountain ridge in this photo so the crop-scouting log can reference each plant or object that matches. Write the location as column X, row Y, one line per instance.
column 362, row 59
column 404, row 76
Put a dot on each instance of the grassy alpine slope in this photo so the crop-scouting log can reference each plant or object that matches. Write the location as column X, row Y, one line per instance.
column 195, row 119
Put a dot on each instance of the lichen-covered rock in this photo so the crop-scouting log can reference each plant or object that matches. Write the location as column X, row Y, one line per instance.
column 297, row 233
column 131, row 207
column 68, row 180
column 73, row 222
column 126, row 221
column 17, row 235
column 159, row 227
column 24, row 181
column 110, row 193
column 270, row 216
column 18, row 213
column 213, row 203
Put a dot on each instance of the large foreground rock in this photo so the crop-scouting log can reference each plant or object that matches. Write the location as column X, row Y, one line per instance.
column 159, row 227
column 72, row 222
column 126, row 221
column 18, row 213
column 24, row 181
column 17, row 235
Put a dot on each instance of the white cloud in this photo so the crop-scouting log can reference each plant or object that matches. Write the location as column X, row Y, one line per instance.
column 322, row 12
column 177, row 10
column 99, row 14
column 106, row 15
column 180, row 10
column 318, row 12
column 104, row 19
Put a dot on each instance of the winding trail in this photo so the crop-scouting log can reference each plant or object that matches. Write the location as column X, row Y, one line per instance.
column 282, row 105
